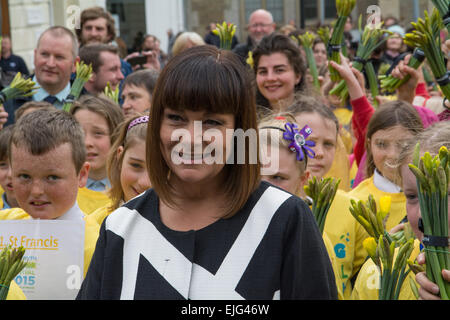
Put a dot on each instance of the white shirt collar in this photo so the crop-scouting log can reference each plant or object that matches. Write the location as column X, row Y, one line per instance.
column 384, row 184
column 41, row 94
column 73, row 213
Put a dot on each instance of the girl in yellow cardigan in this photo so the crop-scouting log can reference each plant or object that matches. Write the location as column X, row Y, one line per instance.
column 345, row 233
column 126, row 165
column 430, row 140
column 389, row 128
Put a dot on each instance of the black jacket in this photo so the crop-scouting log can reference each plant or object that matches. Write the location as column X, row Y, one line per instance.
column 242, row 49
column 271, row 248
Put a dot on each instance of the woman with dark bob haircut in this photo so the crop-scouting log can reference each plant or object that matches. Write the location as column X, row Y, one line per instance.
column 208, row 229
column 280, row 72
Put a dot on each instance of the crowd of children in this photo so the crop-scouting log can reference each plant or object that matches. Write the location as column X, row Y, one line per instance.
column 158, row 229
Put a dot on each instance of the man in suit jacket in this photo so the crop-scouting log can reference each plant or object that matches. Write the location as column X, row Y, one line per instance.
column 55, row 58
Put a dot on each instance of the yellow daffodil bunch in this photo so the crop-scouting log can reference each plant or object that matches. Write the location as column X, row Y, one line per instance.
column 11, row 264
column 392, row 266
column 322, row 192
column 373, row 220
column 112, row 94
column 226, row 32
column 83, row 74
column 426, row 36
column 19, row 87
column 250, row 60
column 433, row 177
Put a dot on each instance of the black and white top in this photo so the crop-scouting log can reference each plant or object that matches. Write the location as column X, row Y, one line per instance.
column 271, row 249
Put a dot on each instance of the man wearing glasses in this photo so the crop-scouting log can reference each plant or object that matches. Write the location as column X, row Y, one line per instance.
column 260, row 24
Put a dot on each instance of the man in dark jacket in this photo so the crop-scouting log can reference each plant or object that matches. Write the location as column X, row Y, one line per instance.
column 260, row 25
column 9, row 62
column 55, row 60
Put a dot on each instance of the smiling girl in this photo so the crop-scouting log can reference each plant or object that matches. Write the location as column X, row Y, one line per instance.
column 390, row 127
column 127, row 165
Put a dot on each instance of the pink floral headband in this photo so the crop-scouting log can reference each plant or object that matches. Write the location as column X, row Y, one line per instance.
column 135, row 122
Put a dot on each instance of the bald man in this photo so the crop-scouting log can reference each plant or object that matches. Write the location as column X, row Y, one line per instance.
column 260, row 25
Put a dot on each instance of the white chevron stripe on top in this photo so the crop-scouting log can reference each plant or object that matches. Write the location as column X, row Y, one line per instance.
column 191, row 280
column 226, row 279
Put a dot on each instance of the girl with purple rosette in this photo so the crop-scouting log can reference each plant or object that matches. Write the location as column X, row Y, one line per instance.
column 291, row 148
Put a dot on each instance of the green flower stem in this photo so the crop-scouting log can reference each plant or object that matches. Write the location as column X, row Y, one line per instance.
column 307, row 41
column 373, row 83
column 312, row 66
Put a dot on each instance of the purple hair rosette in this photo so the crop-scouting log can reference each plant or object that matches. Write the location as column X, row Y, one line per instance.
column 299, row 144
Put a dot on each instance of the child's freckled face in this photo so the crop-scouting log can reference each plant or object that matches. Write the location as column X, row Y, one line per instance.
column 46, row 185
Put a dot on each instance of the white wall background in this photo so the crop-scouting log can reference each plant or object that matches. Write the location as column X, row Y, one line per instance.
column 162, row 16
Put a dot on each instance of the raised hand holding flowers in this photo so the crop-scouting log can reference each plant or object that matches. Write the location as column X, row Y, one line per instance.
column 344, row 8
column 371, row 39
column 426, row 36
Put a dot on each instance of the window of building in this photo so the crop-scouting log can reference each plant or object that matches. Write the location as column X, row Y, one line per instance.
column 311, row 7
column 276, row 7
column 250, row 6
column 330, row 10
column 130, row 20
